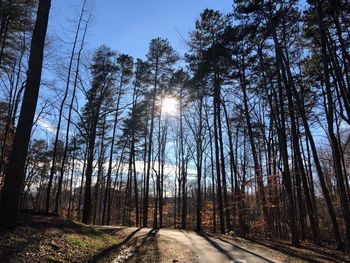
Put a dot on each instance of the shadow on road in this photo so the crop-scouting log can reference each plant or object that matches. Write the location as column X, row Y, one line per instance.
column 288, row 251
column 281, row 248
column 208, row 237
column 148, row 249
column 217, row 246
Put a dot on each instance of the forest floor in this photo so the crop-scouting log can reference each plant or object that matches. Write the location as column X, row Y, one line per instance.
column 50, row 239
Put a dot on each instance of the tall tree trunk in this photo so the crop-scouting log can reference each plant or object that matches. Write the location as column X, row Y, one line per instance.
column 199, row 157
column 58, row 128
column 212, row 164
column 183, row 175
column 149, row 157
column 216, row 103
column 71, row 194
column 281, row 130
column 332, row 137
column 233, row 165
column 257, row 167
column 99, row 172
column 110, row 162
column 15, row 170
column 136, row 194
column 89, row 170
column 300, row 171
column 161, row 197
column 82, row 183
column 223, row 170
column 65, row 151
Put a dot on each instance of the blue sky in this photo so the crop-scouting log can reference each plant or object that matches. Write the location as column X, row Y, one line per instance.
column 128, row 25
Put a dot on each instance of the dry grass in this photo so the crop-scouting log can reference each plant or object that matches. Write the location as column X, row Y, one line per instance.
column 50, row 239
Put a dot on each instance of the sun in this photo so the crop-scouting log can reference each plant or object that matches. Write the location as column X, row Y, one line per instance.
column 170, row 106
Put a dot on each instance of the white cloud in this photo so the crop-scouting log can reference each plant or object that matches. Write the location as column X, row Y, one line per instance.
column 169, row 169
column 46, row 125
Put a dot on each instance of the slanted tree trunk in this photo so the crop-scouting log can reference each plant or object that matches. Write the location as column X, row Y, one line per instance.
column 58, row 128
column 261, row 200
column 71, row 194
column 65, row 151
column 281, row 131
column 110, row 162
column 233, row 165
column 15, row 171
column 330, row 122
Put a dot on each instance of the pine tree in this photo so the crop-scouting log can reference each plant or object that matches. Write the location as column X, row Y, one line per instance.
column 160, row 58
column 99, row 101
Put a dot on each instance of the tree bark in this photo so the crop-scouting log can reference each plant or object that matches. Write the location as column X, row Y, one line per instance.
column 15, row 170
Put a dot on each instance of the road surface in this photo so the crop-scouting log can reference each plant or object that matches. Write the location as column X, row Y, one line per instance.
column 211, row 249
column 207, row 248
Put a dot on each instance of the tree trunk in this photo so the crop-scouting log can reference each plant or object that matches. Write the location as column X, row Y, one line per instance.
column 261, row 201
column 53, row 167
column 58, row 194
column 150, row 142
column 217, row 158
column 15, row 170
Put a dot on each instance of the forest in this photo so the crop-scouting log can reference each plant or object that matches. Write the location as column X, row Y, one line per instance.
column 247, row 133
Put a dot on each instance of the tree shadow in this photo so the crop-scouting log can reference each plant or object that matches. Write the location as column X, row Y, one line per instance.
column 147, row 248
column 112, row 230
column 31, row 232
column 109, row 250
column 8, row 251
column 154, row 239
column 216, row 246
column 297, row 254
column 280, row 248
column 27, row 235
column 208, row 237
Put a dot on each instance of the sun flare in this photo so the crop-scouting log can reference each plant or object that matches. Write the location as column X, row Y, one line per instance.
column 170, row 106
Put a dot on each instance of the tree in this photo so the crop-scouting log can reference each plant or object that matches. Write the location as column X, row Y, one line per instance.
column 99, row 101
column 125, row 70
column 60, row 115
column 330, row 112
column 15, row 170
column 215, row 65
column 160, row 58
column 16, row 27
column 37, row 165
